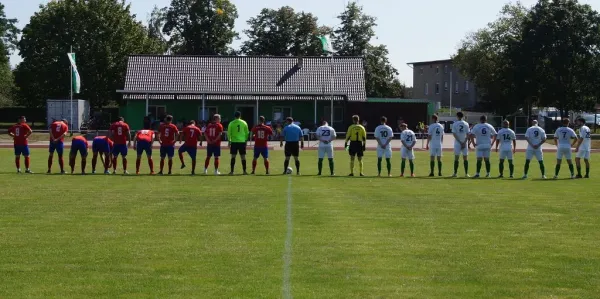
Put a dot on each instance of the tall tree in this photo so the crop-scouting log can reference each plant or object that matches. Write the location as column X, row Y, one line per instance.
column 101, row 32
column 156, row 23
column 356, row 30
column 283, row 32
column 381, row 77
column 8, row 39
column 201, row 27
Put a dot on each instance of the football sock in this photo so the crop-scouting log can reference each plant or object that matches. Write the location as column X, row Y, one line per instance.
column 488, row 166
column 320, row 165
column 379, row 165
column 124, row 164
column 94, row 162
column 351, row 166
column 27, row 162
column 244, row 165
column 232, row 164
column 587, row 169
column 542, row 167
column 388, row 163
column 511, row 167
column 267, row 165
column 253, row 165
column 402, row 166
column 61, row 163
column 440, row 166
column 297, row 166
column 151, row 164
column 49, row 162
column 217, row 162
column 526, row 170
column 412, row 166
column 194, row 165
column 138, row 162
column 170, row 165
column 331, row 166
column 501, row 167
column 162, row 165
column 478, row 166
column 181, row 158
column 206, row 162
column 286, row 164
column 18, row 162
column 456, row 164
column 466, row 166
column 571, row 169
column 72, row 163
column 579, row 170
column 83, row 164
column 431, row 167
column 114, row 163
column 557, row 169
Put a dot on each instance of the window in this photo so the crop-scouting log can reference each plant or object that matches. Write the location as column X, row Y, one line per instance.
column 426, row 88
column 207, row 113
column 437, row 88
column 157, row 111
column 421, row 71
column 437, row 69
column 445, row 69
column 455, row 87
column 281, row 113
column 445, row 85
column 466, row 86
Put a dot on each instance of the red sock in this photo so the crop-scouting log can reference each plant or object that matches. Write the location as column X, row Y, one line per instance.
column 206, row 162
column 124, row 164
column 61, row 163
column 181, row 158
column 151, row 164
column 49, row 162
column 137, row 165
column 193, row 165
column 162, row 164
column 253, row 165
column 170, row 165
column 267, row 164
column 115, row 164
column 18, row 162
column 216, row 163
column 27, row 162
column 83, row 164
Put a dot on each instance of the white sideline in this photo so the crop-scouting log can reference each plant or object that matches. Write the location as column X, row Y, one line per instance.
column 287, row 253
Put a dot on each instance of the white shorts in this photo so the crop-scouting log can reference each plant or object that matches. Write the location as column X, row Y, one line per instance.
column 381, row 152
column 460, row 151
column 583, row 154
column 506, row 154
column 326, row 151
column 483, row 152
column 407, row 154
column 537, row 153
column 563, row 153
column 435, row 151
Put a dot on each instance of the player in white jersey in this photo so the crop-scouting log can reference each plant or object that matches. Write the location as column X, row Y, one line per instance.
column 435, row 137
column 507, row 139
column 562, row 138
column 535, row 137
column 384, row 136
column 460, row 130
column 326, row 135
column 584, row 146
column 408, row 139
column 483, row 135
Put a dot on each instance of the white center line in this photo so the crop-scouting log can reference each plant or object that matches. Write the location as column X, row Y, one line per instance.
column 287, row 253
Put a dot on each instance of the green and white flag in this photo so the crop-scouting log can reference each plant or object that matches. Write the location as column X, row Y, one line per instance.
column 76, row 79
column 326, row 41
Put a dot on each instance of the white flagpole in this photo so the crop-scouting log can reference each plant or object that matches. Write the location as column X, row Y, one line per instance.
column 71, row 116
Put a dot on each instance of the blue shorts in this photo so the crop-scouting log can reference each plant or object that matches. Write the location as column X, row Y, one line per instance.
column 22, row 150
column 79, row 146
column 100, row 146
column 213, row 150
column 167, row 151
column 261, row 151
column 120, row 149
column 143, row 146
column 58, row 147
column 191, row 150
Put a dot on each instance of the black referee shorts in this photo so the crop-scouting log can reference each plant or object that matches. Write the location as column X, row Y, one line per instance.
column 292, row 148
column 355, row 149
column 238, row 148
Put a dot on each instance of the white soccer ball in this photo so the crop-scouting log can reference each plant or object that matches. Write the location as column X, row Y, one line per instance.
column 289, row 170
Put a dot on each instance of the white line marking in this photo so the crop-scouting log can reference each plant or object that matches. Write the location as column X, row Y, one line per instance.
column 287, row 253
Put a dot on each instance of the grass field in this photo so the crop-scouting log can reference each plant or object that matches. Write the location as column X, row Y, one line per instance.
column 306, row 237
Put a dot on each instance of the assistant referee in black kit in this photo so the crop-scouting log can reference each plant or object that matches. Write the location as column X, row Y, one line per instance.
column 357, row 135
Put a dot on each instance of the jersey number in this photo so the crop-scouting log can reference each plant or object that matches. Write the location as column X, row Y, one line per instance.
column 261, row 134
column 238, row 128
column 58, row 128
column 357, row 136
column 437, row 131
column 212, row 132
column 462, row 128
column 536, row 134
column 483, row 131
column 506, row 136
column 17, row 131
column 166, row 132
column 325, row 133
column 192, row 133
column 119, row 131
column 408, row 139
column 384, row 134
column 564, row 135
column 588, row 135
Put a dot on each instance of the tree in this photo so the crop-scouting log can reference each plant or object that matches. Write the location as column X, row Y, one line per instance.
column 200, row 27
column 283, row 32
column 8, row 38
column 101, row 32
column 356, row 30
column 156, row 23
column 380, row 75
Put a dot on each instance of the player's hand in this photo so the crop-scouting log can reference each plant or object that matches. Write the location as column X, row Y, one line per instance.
column 302, row 145
column 129, row 144
column 281, row 144
column 346, row 145
column 514, row 150
column 135, row 147
column 364, row 148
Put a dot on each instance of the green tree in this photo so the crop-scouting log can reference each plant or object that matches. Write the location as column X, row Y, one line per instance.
column 380, row 75
column 101, row 32
column 156, row 23
column 8, row 38
column 283, row 32
column 201, row 27
column 356, row 30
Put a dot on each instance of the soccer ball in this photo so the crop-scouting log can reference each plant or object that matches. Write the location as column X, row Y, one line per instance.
column 289, row 170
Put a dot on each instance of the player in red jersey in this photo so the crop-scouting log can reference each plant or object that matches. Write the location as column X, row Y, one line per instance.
column 58, row 131
column 192, row 135
column 78, row 145
column 261, row 134
column 167, row 135
column 20, row 132
column 144, row 139
column 213, row 136
column 121, row 135
column 103, row 146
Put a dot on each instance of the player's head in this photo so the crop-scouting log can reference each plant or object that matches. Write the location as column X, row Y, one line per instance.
column 120, row 118
column 217, row 118
column 505, row 124
column 581, row 121
column 534, row 122
column 434, row 118
column 237, row 115
column 355, row 119
column 460, row 115
column 324, row 123
column 566, row 122
column 483, row 119
column 192, row 123
column 403, row 126
column 261, row 120
column 289, row 120
column 22, row 120
column 64, row 121
column 383, row 120
column 169, row 119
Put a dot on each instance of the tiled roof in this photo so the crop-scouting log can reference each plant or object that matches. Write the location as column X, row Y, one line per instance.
column 237, row 77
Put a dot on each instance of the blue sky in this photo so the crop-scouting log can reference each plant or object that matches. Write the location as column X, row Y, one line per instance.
column 412, row 30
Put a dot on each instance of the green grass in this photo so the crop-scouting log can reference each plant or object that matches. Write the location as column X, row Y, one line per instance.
column 223, row 237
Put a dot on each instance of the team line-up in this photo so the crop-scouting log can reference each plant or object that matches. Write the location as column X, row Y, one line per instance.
column 483, row 136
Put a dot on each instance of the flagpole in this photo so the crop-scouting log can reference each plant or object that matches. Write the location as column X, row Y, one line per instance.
column 71, row 116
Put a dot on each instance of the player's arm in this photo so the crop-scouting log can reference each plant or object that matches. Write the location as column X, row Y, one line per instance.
column 363, row 133
column 301, row 137
column 514, row 142
column 497, row 142
column 246, row 132
column 29, row 132
column 282, row 136
column 229, row 131
column 348, row 135
column 556, row 138
column 575, row 139
column 428, row 138
column 10, row 133
column 414, row 141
